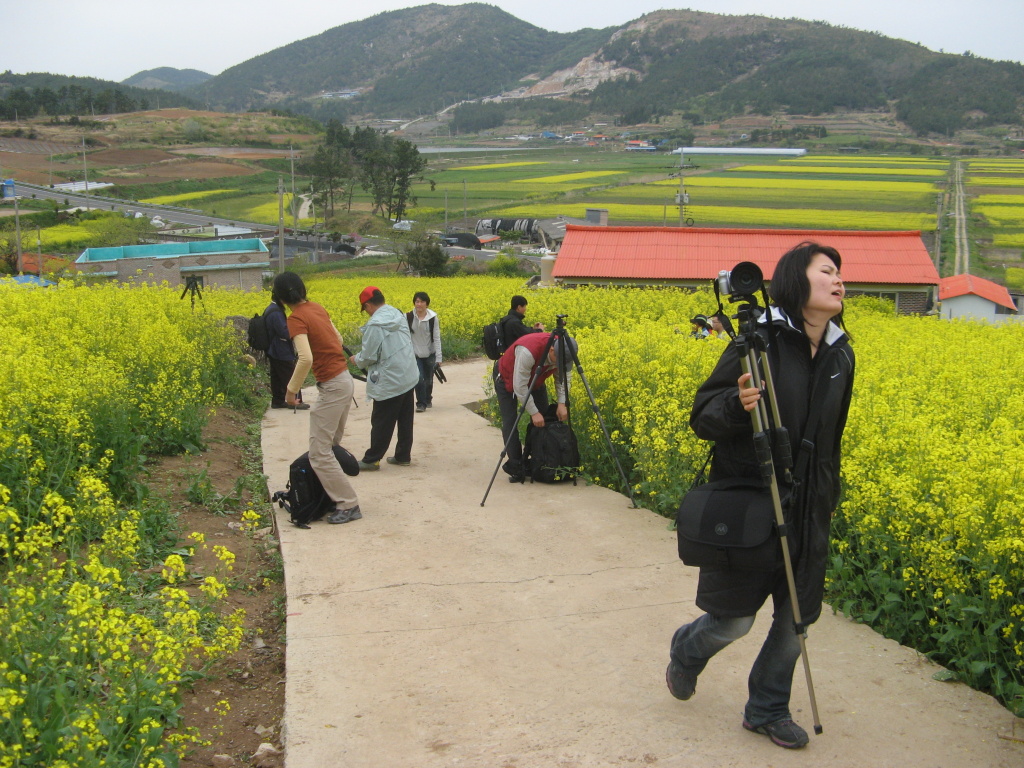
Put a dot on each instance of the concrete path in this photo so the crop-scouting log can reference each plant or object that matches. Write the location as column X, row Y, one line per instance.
column 533, row 632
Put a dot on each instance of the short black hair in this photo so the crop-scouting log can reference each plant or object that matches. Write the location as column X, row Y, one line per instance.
column 288, row 289
column 790, row 287
column 421, row 295
column 518, row 301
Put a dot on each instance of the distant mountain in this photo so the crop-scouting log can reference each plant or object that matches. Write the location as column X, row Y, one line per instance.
column 411, row 61
column 705, row 66
column 167, row 78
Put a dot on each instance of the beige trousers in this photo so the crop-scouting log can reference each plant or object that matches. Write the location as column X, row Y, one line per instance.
column 327, row 417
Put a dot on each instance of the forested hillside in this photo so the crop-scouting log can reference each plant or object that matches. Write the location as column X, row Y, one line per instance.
column 409, row 62
column 705, row 66
column 167, row 78
column 41, row 94
column 700, row 66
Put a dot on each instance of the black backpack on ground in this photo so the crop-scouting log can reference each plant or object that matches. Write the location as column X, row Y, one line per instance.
column 306, row 500
column 551, row 453
column 494, row 339
column 258, row 334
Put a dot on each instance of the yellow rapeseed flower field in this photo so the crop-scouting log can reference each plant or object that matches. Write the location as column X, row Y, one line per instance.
column 927, row 542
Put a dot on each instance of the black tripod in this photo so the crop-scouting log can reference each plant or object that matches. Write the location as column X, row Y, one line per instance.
column 772, row 446
column 193, row 286
column 566, row 353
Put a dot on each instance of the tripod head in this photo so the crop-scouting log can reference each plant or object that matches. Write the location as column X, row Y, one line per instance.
column 742, row 285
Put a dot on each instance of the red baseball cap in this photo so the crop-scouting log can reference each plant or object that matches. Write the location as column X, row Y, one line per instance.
column 367, row 294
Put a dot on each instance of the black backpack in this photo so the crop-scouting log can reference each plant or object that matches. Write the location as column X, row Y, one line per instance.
column 494, row 339
column 306, row 500
column 408, row 319
column 551, row 453
column 258, row 334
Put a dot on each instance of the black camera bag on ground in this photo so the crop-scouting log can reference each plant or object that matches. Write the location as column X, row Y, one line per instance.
column 551, row 453
column 729, row 524
column 306, row 500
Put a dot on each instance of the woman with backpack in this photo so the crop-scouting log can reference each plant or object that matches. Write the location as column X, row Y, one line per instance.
column 319, row 347
column 813, row 367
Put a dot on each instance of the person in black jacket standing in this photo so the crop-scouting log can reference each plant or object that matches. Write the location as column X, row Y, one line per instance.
column 812, row 362
column 513, row 327
column 280, row 355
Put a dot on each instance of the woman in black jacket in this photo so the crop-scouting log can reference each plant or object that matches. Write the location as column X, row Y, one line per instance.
column 812, row 363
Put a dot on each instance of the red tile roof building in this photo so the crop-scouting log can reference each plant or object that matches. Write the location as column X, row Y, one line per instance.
column 894, row 265
column 972, row 296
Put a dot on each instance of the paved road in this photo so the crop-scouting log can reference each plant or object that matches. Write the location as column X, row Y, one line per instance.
column 186, row 216
column 533, row 632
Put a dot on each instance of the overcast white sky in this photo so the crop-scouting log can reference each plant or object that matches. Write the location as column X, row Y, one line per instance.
column 114, row 39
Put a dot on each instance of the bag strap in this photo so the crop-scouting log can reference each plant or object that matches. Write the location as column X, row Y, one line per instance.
column 700, row 477
column 807, row 445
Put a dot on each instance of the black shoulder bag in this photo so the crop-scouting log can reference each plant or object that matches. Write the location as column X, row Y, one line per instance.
column 730, row 524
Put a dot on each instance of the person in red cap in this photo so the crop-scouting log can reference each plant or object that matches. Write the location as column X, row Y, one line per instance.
column 391, row 377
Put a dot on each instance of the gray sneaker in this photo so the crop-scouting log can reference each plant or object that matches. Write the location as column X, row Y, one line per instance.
column 364, row 467
column 339, row 516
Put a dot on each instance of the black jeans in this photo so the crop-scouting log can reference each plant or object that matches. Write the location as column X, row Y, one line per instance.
column 425, row 387
column 386, row 415
column 280, row 374
column 509, row 406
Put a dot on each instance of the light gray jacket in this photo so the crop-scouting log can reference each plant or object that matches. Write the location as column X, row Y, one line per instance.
column 387, row 355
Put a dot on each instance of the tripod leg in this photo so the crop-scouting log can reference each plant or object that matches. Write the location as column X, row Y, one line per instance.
column 522, row 409
column 604, row 429
column 763, row 450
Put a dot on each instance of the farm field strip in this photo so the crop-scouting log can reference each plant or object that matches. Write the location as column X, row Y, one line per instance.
column 186, row 196
column 994, row 181
column 836, row 169
column 880, row 160
column 854, row 185
column 780, row 197
column 709, row 215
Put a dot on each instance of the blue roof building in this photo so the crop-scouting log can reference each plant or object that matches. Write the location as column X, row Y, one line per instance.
column 220, row 263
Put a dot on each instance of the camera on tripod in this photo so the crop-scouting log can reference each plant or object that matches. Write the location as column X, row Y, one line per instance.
column 745, row 279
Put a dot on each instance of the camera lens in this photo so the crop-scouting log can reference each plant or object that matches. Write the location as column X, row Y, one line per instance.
column 746, row 278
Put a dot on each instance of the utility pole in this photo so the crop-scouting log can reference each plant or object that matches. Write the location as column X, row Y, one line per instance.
column 465, row 217
column 85, row 166
column 17, row 231
column 295, row 207
column 280, row 224
column 682, row 198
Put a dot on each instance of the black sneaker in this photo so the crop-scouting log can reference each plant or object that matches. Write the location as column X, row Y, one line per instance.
column 681, row 683
column 785, row 733
column 420, row 408
column 339, row 516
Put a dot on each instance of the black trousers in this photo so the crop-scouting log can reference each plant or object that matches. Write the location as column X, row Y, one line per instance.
column 280, row 374
column 509, row 406
column 386, row 415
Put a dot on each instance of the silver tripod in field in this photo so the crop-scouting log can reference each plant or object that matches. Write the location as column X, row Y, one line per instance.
column 742, row 284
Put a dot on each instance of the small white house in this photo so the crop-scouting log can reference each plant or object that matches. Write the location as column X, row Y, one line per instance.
column 975, row 298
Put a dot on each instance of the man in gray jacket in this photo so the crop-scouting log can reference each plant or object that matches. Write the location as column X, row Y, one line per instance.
column 391, row 377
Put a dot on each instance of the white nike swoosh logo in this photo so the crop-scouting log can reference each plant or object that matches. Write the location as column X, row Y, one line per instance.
column 833, row 375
